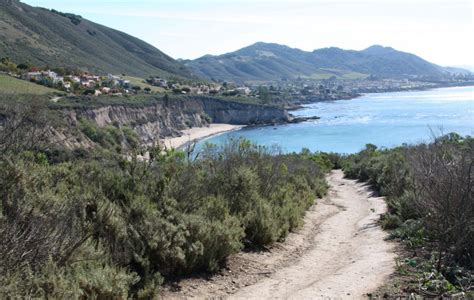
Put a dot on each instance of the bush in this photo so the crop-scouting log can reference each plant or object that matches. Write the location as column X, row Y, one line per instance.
column 429, row 191
column 81, row 280
column 391, row 221
column 128, row 223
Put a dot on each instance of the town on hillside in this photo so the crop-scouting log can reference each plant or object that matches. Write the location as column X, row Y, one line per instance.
column 283, row 91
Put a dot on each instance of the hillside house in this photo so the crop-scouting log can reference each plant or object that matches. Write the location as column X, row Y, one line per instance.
column 157, row 81
column 105, row 90
column 196, row 91
column 33, row 76
column 124, row 83
column 89, row 81
column 243, row 91
column 111, row 77
column 42, row 76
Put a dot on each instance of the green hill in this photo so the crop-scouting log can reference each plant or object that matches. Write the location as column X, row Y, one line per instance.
column 49, row 38
column 263, row 61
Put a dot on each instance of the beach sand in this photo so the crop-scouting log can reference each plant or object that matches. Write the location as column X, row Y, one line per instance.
column 198, row 133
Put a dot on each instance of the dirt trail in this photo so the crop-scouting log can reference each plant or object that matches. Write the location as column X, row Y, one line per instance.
column 339, row 253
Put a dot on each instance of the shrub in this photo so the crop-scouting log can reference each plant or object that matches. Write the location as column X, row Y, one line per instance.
column 429, row 191
column 391, row 221
column 81, row 280
column 108, row 226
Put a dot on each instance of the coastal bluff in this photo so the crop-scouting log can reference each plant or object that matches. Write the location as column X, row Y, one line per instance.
column 160, row 118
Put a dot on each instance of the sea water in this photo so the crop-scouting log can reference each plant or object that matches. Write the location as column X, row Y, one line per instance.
column 384, row 119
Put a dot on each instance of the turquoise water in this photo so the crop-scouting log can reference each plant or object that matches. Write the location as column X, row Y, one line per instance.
column 387, row 119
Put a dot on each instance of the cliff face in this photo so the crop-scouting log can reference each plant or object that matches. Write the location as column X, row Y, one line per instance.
column 242, row 114
column 168, row 118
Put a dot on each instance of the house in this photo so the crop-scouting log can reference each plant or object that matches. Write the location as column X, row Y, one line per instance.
column 157, row 81
column 41, row 76
column 89, row 78
column 105, row 90
column 74, row 79
column 124, row 83
column 87, row 83
column 52, row 75
column 196, row 91
column 111, row 77
column 205, row 89
column 243, row 90
column 33, row 76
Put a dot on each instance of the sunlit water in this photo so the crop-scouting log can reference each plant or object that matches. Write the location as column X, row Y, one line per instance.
column 388, row 119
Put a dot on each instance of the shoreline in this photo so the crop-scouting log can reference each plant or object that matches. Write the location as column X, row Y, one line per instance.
column 302, row 104
column 197, row 134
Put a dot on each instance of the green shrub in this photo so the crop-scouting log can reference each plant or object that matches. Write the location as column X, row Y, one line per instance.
column 391, row 221
column 131, row 137
column 412, row 232
column 88, row 280
column 212, row 241
column 127, row 223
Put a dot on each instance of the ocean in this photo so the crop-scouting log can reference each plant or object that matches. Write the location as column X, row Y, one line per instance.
column 384, row 119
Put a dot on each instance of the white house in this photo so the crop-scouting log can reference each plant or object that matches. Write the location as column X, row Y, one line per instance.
column 243, row 90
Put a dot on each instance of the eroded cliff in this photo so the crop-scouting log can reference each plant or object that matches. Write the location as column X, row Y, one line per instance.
column 167, row 117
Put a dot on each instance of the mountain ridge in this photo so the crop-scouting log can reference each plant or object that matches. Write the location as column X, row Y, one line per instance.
column 271, row 61
column 48, row 38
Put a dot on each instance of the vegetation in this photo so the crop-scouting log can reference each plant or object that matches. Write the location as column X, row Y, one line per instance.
column 78, row 224
column 11, row 85
column 141, row 100
column 140, row 82
column 79, row 44
column 328, row 73
column 267, row 62
column 429, row 190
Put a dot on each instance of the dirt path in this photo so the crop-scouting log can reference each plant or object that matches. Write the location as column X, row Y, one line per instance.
column 339, row 253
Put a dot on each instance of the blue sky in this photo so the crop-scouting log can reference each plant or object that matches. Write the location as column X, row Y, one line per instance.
column 441, row 31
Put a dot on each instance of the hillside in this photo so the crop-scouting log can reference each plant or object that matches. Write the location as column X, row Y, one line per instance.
column 263, row 61
column 50, row 38
column 10, row 85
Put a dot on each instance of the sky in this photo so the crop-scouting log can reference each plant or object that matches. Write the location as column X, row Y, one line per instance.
column 441, row 31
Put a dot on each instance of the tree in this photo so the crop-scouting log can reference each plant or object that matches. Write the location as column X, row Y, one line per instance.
column 7, row 65
column 264, row 94
column 23, row 66
column 25, row 125
column 89, row 92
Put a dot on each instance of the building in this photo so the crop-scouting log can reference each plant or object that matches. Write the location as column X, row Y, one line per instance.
column 41, row 76
column 243, row 90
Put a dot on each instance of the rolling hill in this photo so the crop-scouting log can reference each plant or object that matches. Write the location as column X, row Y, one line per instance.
column 264, row 61
column 45, row 37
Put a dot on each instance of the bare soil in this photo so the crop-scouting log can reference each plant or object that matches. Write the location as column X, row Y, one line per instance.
column 339, row 253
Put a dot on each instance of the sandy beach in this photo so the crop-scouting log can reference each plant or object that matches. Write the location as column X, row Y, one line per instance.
column 198, row 133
